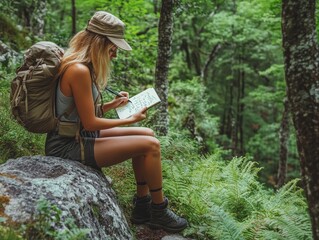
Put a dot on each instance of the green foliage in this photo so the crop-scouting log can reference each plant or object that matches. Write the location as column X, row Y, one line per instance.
column 265, row 144
column 225, row 201
column 11, row 34
column 188, row 111
column 178, row 147
column 47, row 224
column 7, row 233
column 221, row 199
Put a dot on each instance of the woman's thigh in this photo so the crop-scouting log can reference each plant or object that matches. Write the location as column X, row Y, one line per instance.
column 112, row 150
column 125, row 131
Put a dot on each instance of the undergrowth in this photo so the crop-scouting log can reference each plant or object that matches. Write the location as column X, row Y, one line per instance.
column 221, row 199
column 46, row 224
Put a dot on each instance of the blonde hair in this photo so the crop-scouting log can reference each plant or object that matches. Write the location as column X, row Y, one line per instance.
column 91, row 50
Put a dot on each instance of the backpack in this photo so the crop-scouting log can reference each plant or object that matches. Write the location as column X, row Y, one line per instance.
column 33, row 89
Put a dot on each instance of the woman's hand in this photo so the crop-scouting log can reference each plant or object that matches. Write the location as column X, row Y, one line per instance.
column 139, row 116
column 125, row 98
column 116, row 102
column 124, row 94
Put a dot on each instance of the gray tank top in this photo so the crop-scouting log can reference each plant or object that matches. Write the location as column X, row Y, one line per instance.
column 63, row 102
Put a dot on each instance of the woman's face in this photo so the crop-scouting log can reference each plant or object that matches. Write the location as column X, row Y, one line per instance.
column 113, row 52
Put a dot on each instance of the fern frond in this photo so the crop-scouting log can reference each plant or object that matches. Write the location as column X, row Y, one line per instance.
column 269, row 235
column 225, row 226
column 294, row 227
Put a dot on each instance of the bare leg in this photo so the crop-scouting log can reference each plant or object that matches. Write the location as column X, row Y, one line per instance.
column 125, row 131
column 142, row 188
column 145, row 150
column 118, row 144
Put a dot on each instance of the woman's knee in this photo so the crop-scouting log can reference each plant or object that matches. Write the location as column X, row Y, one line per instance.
column 154, row 144
column 148, row 132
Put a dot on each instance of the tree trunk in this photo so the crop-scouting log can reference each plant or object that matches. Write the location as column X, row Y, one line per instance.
column 283, row 139
column 165, row 32
column 155, row 4
column 230, row 112
column 235, row 138
column 210, row 58
column 73, row 17
column 184, row 46
column 223, row 127
column 196, row 61
column 302, row 76
column 241, row 109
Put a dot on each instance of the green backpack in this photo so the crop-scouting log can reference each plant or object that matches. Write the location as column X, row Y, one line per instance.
column 33, row 89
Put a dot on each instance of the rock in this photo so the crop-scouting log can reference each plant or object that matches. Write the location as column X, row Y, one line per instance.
column 174, row 237
column 80, row 192
column 145, row 233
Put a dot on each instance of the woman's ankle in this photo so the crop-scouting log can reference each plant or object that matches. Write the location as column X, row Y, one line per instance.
column 157, row 195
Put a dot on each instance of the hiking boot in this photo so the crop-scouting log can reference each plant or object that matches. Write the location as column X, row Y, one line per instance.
column 166, row 219
column 142, row 209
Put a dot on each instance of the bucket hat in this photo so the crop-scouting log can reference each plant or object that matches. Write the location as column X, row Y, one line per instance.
column 106, row 24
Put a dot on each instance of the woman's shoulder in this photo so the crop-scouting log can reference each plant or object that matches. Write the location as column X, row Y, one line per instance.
column 77, row 71
column 78, row 68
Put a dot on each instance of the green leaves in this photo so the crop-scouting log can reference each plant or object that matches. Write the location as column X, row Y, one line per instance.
column 46, row 222
column 237, row 206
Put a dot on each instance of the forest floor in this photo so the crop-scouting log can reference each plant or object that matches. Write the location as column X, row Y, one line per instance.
column 145, row 233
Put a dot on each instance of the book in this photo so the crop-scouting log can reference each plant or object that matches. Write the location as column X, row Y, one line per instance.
column 147, row 98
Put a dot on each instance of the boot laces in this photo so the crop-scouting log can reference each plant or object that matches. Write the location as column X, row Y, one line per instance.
column 172, row 216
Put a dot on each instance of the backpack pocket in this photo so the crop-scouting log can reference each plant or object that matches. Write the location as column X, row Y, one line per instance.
column 68, row 129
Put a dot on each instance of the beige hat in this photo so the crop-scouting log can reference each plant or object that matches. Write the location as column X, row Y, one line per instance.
column 106, row 24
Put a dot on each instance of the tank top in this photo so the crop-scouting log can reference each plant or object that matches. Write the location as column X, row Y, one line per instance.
column 63, row 102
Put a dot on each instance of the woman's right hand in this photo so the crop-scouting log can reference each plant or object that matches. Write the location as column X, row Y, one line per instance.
column 139, row 116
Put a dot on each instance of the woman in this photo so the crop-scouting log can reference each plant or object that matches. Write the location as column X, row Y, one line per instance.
column 85, row 68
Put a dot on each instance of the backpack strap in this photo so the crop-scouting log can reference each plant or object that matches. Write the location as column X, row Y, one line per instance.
column 99, row 99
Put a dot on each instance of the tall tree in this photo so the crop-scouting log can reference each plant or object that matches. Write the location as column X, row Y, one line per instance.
column 301, row 56
column 165, row 31
column 283, row 140
column 73, row 17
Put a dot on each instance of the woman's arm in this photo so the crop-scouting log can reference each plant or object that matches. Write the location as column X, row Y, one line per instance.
column 110, row 105
column 114, row 103
column 80, row 84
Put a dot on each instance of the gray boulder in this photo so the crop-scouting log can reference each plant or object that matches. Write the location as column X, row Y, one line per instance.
column 80, row 192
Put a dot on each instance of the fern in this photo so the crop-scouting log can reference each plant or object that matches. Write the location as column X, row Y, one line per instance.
column 236, row 205
column 270, row 235
column 222, row 199
column 225, row 227
column 47, row 222
column 73, row 234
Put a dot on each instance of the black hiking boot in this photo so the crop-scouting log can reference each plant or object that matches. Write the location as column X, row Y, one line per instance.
column 166, row 219
column 142, row 209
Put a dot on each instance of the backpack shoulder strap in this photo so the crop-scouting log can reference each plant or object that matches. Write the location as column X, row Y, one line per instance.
column 98, row 103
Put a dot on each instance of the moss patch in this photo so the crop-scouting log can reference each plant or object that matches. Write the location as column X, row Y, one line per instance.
column 4, row 200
